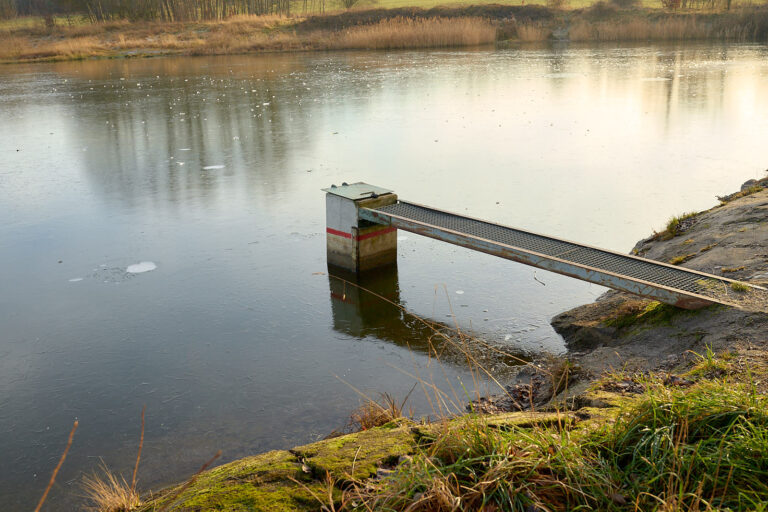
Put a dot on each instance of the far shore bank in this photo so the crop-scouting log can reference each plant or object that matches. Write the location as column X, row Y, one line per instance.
column 376, row 29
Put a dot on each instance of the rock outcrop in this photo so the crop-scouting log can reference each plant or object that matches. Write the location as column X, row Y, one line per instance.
column 730, row 240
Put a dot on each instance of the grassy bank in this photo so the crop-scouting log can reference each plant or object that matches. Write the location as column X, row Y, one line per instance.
column 695, row 440
column 23, row 40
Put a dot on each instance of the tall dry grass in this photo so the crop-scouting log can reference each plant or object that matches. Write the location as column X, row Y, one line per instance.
column 58, row 467
column 24, row 48
column 108, row 492
column 12, row 47
column 533, row 32
column 642, row 29
column 241, row 34
column 400, row 32
column 375, row 413
column 250, row 33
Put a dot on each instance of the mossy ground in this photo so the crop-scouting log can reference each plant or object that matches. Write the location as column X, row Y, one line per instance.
column 292, row 480
column 358, row 456
column 644, row 312
column 273, row 481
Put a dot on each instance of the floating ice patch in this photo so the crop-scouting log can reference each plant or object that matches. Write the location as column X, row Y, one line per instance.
column 185, row 149
column 138, row 268
column 212, row 167
column 459, row 292
column 75, row 279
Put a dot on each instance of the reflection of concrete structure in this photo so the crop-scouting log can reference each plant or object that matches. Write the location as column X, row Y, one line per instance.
column 360, row 308
column 369, row 304
column 355, row 244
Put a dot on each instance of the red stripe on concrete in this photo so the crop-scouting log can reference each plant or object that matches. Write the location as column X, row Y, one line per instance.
column 361, row 237
column 338, row 233
column 376, row 233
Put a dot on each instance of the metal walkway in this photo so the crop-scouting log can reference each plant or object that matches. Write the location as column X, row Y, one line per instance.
column 667, row 283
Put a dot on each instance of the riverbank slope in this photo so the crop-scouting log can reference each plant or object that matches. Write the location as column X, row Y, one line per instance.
column 376, row 29
column 731, row 240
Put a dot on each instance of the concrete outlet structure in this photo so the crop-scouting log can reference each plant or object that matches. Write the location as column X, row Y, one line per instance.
column 355, row 244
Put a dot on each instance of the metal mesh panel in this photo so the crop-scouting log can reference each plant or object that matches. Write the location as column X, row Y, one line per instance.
column 645, row 270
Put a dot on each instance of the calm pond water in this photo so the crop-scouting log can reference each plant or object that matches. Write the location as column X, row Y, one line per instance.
column 211, row 169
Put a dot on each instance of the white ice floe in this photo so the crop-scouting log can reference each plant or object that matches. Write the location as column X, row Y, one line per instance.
column 459, row 292
column 212, row 167
column 75, row 279
column 143, row 266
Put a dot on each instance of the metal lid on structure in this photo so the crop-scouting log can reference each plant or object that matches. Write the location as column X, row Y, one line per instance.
column 357, row 191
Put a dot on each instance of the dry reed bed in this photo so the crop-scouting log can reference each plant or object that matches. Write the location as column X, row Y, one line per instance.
column 673, row 29
column 417, row 33
column 244, row 34
column 241, row 35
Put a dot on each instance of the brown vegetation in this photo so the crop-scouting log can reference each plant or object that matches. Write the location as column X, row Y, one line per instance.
column 375, row 414
column 372, row 29
column 416, row 33
column 58, row 467
column 109, row 493
column 641, row 29
column 238, row 35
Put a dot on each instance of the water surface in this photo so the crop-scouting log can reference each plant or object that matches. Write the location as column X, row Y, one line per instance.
column 162, row 229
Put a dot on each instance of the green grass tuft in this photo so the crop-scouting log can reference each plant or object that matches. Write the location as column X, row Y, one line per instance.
column 739, row 287
column 710, row 365
column 678, row 260
column 676, row 225
column 654, row 313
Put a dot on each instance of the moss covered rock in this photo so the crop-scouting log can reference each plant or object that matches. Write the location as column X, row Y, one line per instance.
column 357, row 455
column 273, row 481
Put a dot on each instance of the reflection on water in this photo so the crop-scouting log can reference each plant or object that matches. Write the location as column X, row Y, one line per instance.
column 370, row 305
column 211, row 169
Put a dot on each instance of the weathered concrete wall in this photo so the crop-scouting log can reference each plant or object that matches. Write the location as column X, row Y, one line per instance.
column 356, row 245
column 341, row 223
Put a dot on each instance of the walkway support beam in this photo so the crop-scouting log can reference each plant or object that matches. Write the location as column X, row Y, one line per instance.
column 355, row 244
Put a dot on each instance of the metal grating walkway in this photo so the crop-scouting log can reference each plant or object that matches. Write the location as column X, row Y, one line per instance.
column 667, row 283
